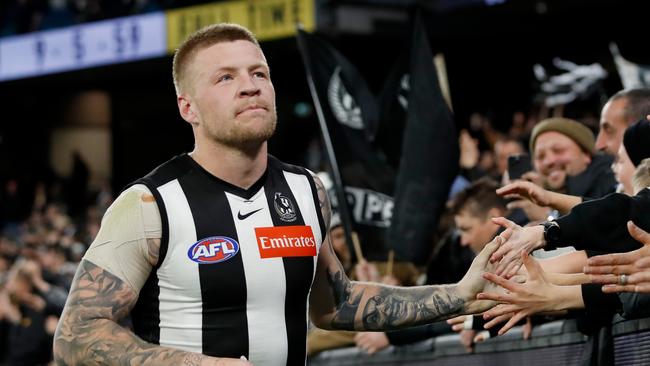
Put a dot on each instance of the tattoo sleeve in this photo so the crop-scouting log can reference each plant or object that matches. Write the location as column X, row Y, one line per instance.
column 88, row 332
column 366, row 306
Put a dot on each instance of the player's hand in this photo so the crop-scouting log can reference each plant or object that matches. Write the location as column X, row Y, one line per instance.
column 635, row 265
column 523, row 239
column 520, row 300
column 473, row 282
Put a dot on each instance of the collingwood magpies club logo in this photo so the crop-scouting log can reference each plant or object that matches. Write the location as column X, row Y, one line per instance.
column 344, row 107
column 284, row 207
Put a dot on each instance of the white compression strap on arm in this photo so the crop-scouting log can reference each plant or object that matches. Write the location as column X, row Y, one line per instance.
column 121, row 244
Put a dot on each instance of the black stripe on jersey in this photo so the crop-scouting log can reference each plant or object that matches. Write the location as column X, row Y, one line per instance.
column 145, row 315
column 302, row 171
column 297, row 270
column 319, row 212
column 225, row 326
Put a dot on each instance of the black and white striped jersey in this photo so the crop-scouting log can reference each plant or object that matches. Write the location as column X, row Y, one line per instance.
column 236, row 265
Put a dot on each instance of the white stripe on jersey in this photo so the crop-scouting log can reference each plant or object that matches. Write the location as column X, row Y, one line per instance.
column 297, row 183
column 181, row 315
column 265, row 284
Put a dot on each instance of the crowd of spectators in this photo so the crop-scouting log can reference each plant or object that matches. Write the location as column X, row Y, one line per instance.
column 571, row 162
column 41, row 244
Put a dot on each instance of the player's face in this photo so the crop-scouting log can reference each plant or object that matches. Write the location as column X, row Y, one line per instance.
column 557, row 156
column 233, row 94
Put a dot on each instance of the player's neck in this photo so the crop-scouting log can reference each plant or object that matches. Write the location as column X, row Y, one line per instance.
column 239, row 167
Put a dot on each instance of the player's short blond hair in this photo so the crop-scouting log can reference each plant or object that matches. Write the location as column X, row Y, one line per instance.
column 641, row 177
column 205, row 37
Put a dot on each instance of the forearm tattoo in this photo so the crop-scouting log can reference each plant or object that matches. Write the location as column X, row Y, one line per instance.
column 88, row 332
column 347, row 304
column 395, row 308
column 390, row 307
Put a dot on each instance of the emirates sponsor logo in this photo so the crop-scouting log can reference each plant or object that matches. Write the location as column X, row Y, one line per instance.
column 286, row 241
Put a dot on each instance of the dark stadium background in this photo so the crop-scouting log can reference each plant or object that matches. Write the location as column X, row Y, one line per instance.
column 489, row 52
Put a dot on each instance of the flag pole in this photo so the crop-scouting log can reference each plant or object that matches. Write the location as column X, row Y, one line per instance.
column 346, row 220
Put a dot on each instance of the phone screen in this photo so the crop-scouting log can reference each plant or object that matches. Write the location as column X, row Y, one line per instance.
column 519, row 165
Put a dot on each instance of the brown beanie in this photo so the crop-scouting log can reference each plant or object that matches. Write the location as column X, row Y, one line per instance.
column 575, row 130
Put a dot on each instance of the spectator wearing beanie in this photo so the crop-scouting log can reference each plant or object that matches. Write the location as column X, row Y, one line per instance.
column 563, row 155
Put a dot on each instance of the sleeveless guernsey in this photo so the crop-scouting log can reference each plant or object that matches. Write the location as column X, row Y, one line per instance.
column 236, row 265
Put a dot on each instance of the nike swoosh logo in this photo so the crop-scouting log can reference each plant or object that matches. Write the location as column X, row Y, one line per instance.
column 244, row 216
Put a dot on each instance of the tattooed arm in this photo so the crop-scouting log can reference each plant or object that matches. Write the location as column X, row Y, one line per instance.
column 88, row 332
column 338, row 303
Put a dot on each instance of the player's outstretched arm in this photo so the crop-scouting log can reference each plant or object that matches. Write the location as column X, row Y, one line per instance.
column 338, row 303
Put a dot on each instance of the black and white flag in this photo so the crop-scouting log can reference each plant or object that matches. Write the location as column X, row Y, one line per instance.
column 575, row 82
column 413, row 102
column 350, row 111
column 632, row 75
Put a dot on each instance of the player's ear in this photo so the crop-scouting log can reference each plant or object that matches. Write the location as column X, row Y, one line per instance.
column 187, row 109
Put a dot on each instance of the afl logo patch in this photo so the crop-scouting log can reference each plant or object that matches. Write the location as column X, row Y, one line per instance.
column 284, row 207
column 214, row 249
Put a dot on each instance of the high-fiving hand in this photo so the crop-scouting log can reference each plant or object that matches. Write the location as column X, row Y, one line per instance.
column 537, row 294
column 523, row 239
column 473, row 282
column 624, row 272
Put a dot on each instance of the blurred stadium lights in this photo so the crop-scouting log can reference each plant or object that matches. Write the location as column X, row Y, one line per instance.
column 139, row 37
column 92, row 44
